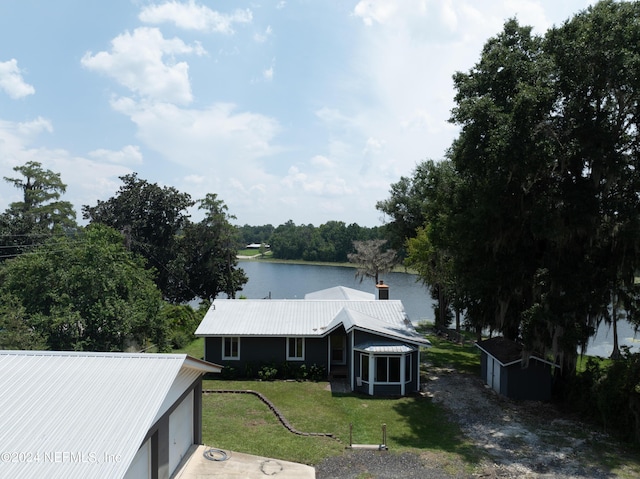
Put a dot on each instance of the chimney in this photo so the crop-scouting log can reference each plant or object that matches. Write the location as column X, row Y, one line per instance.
column 383, row 290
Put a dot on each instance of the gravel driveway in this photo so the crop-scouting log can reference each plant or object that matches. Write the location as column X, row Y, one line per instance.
column 528, row 440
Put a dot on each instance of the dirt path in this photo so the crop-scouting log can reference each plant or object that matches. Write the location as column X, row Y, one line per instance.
column 523, row 439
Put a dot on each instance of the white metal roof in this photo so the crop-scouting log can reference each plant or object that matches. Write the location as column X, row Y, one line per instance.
column 62, row 412
column 353, row 319
column 385, row 348
column 307, row 318
column 340, row 292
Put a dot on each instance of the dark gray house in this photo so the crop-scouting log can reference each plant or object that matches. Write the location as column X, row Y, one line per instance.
column 503, row 368
column 351, row 334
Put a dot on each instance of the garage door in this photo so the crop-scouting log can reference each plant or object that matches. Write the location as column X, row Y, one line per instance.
column 180, row 431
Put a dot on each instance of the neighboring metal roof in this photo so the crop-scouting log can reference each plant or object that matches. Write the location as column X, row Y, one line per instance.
column 340, row 292
column 308, row 318
column 62, row 412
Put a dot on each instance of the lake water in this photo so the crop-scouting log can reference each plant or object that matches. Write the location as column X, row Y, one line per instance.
column 293, row 281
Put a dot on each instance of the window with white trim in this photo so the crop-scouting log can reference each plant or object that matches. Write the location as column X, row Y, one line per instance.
column 295, row 349
column 364, row 367
column 407, row 368
column 231, row 348
column 387, row 369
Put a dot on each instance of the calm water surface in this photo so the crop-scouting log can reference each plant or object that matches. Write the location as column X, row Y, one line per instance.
column 293, row 281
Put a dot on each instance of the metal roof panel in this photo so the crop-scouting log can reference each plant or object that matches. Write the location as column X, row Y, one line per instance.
column 64, row 413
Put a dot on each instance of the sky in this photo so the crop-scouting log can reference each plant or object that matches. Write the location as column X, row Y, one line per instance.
column 302, row 110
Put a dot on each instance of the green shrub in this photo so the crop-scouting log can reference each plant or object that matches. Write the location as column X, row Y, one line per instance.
column 229, row 373
column 267, row 373
column 317, row 373
column 609, row 394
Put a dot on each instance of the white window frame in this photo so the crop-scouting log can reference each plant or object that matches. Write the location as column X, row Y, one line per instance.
column 224, row 350
column 387, row 360
column 297, row 355
column 364, row 368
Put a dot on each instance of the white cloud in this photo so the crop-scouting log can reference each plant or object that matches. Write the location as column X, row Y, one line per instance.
column 375, row 11
column 268, row 73
column 11, row 80
column 321, row 161
column 197, row 138
column 130, row 154
column 192, row 16
column 143, row 62
column 262, row 37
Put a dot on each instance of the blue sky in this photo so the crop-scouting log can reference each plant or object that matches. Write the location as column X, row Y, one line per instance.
column 299, row 109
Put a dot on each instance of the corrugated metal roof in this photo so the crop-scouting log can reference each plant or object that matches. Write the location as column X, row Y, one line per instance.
column 340, row 292
column 355, row 319
column 385, row 348
column 272, row 317
column 63, row 413
column 309, row 318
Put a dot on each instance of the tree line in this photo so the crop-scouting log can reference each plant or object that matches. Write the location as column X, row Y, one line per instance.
column 332, row 241
column 530, row 226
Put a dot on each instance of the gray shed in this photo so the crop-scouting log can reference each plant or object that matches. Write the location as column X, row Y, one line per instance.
column 502, row 367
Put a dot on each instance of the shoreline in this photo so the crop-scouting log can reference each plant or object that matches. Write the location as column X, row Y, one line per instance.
column 397, row 269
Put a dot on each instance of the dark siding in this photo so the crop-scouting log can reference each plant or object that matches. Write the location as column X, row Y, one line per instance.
column 258, row 351
column 532, row 383
column 364, row 337
column 317, row 351
column 386, row 390
column 212, row 349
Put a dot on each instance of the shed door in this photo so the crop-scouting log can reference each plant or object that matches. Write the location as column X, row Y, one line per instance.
column 496, row 376
column 180, row 431
column 493, row 373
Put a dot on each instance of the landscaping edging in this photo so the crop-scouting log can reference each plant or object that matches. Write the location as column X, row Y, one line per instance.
column 273, row 409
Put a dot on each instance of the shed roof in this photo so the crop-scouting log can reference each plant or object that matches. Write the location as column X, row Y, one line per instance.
column 507, row 352
column 64, row 411
column 306, row 318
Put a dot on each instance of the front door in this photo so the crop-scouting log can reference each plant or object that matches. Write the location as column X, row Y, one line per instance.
column 338, row 349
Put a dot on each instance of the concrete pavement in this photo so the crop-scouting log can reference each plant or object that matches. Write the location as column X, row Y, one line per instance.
column 228, row 464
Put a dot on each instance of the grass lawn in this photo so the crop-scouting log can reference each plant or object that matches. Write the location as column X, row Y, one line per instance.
column 243, row 423
column 445, row 354
column 195, row 349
